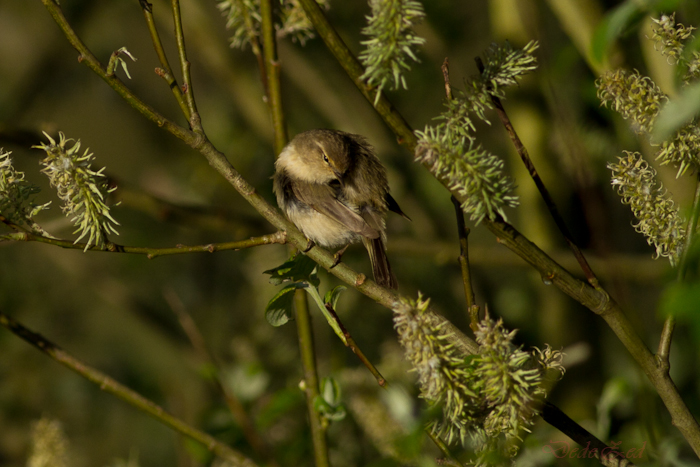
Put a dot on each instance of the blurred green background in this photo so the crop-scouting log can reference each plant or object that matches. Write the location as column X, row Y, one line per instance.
column 117, row 312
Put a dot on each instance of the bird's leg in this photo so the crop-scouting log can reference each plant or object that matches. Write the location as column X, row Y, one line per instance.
column 309, row 245
column 339, row 255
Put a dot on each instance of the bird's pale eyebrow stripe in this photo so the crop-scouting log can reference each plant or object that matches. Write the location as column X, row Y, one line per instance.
column 323, row 150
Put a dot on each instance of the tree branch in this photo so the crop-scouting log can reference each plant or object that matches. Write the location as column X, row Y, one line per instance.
column 272, row 70
column 544, row 193
column 166, row 72
column 352, row 345
column 310, row 383
column 277, row 237
column 191, row 114
column 111, row 386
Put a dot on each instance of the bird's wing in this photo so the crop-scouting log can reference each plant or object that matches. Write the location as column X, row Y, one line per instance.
column 323, row 199
column 392, row 205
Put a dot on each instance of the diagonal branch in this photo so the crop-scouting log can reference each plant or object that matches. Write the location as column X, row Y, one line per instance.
column 133, row 398
column 549, row 202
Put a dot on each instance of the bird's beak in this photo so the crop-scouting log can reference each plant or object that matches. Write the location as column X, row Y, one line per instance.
column 339, row 177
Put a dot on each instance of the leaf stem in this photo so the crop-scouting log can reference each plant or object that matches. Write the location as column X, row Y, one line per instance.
column 333, row 323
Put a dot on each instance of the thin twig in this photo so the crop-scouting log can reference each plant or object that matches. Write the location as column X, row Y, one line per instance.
column 310, row 386
column 133, row 398
column 463, row 233
column 303, row 316
column 272, row 69
column 449, row 459
column 350, row 342
column 664, row 350
column 234, row 404
column 598, row 449
column 462, row 229
column 24, row 236
column 192, row 114
column 549, row 202
column 446, row 77
column 167, row 71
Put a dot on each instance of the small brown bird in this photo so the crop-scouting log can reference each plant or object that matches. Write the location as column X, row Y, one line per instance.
column 331, row 185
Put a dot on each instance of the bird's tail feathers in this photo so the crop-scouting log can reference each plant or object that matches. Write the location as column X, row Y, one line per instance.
column 380, row 263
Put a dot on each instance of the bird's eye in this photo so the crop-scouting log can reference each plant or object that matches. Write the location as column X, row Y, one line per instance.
column 325, row 159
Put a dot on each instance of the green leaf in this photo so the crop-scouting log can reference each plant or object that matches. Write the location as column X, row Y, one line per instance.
column 327, row 411
column 677, row 113
column 279, row 310
column 328, row 403
column 299, row 268
column 332, row 296
column 123, row 62
column 614, row 25
column 330, row 390
column 623, row 18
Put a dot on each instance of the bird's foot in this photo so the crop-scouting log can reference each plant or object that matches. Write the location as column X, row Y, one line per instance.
column 338, row 256
column 309, row 245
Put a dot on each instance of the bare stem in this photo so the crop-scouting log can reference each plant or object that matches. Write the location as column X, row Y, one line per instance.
column 462, row 229
column 310, row 382
column 549, row 202
column 277, row 237
column 169, row 76
column 272, row 70
column 559, row 420
column 303, row 316
column 662, row 354
column 463, row 233
column 133, row 398
column 185, row 68
column 350, row 342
